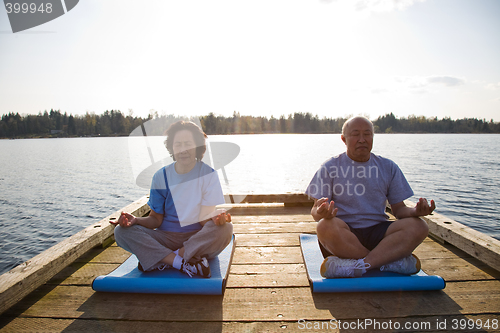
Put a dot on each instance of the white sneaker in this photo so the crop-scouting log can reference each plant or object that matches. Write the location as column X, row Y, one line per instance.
column 200, row 267
column 159, row 267
column 408, row 265
column 333, row 267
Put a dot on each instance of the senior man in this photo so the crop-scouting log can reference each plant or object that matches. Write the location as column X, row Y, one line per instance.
column 350, row 191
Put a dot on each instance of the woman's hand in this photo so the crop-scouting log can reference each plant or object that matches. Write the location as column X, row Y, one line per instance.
column 219, row 216
column 222, row 218
column 126, row 220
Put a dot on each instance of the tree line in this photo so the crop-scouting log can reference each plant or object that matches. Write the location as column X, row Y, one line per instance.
column 420, row 124
column 53, row 123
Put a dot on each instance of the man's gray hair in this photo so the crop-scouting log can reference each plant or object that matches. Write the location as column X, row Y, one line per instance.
column 346, row 124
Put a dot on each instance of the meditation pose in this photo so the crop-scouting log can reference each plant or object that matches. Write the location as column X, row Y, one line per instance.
column 350, row 192
column 183, row 228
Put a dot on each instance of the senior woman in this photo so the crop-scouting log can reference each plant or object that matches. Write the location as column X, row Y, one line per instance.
column 183, row 228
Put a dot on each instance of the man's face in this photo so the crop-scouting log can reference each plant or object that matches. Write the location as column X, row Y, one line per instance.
column 358, row 140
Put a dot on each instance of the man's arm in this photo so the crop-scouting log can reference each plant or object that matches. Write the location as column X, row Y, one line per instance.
column 422, row 208
column 322, row 209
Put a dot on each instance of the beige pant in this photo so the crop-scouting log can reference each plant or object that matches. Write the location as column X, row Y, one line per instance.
column 151, row 245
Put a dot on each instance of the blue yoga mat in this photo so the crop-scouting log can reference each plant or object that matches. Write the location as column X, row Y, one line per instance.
column 127, row 278
column 373, row 280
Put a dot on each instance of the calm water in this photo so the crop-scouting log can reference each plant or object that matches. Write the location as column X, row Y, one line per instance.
column 52, row 188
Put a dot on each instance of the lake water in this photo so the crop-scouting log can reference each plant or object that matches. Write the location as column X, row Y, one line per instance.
column 52, row 188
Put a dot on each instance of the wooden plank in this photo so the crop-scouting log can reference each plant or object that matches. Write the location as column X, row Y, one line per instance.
column 436, row 324
column 267, row 255
column 433, row 250
column 285, row 239
column 253, row 210
column 79, row 325
column 260, row 304
column 113, row 255
column 274, row 218
column 287, row 198
column 81, row 274
column 23, row 279
column 262, row 228
column 82, row 302
column 292, row 303
column 254, row 269
column 458, row 269
column 475, row 243
column 451, row 323
column 267, row 275
column 274, row 280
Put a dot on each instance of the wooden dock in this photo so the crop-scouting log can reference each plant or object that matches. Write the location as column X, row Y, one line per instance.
column 267, row 289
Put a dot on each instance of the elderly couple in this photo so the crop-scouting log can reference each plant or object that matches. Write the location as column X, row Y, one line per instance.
column 350, row 191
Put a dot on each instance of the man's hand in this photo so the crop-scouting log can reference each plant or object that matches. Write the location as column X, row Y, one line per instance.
column 125, row 220
column 422, row 207
column 323, row 210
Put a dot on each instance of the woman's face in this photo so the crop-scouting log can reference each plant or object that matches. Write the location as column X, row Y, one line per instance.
column 184, row 148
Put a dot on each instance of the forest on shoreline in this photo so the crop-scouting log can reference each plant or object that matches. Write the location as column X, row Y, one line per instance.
column 53, row 123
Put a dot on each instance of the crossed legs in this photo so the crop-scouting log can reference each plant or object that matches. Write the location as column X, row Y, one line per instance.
column 400, row 239
column 153, row 247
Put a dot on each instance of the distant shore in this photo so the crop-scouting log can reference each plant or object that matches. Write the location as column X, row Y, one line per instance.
column 124, row 135
column 55, row 124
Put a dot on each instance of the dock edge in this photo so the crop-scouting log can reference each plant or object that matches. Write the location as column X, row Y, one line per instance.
column 26, row 277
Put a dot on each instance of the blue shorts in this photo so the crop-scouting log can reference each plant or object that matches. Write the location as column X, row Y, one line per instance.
column 368, row 237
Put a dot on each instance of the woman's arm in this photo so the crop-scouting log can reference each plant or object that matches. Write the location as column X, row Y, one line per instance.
column 153, row 221
column 219, row 216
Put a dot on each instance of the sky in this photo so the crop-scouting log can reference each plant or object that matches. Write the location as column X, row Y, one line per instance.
column 332, row 58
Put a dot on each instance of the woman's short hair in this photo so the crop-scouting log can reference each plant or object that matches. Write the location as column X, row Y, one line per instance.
column 198, row 135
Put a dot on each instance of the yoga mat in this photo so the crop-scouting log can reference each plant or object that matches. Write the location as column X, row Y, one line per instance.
column 127, row 278
column 373, row 280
